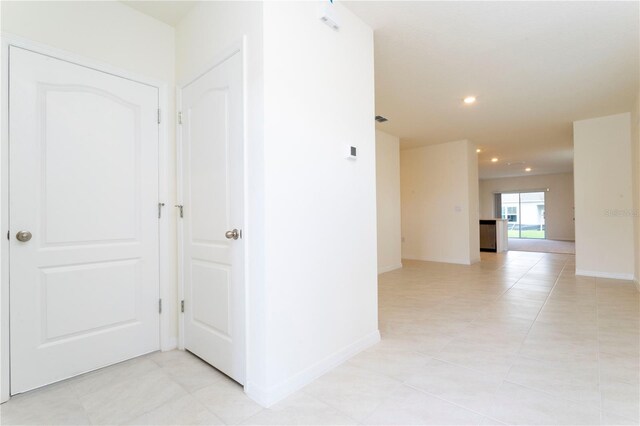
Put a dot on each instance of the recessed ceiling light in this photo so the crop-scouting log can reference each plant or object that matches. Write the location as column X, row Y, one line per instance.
column 478, row 150
column 469, row 100
column 528, row 169
column 494, row 160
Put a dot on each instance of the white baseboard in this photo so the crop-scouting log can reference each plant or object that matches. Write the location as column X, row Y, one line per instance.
column 170, row 344
column 389, row 268
column 611, row 275
column 268, row 397
column 441, row 260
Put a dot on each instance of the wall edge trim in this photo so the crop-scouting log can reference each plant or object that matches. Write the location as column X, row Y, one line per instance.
column 269, row 396
column 610, row 275
column 441, row 260
column 383, row 269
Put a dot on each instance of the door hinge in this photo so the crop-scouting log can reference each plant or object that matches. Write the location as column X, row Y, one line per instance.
column 8, row 233
column 179, row 117
column 182, row 306
column 181, row 207
column 160, row 206
column 159, row 116
column 159, row 306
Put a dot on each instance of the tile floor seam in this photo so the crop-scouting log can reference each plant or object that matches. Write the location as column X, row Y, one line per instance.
column 564, row 265
column 84, row 409
column 209, row 410
column 191, row 393
column 336, row 408
column 121, row 422
column 518, row 280
column 144, row 412
column 598, row 352
column 384, row 399
column 244, row 421
column 549, row 394
column 618, row 415
column 502, row 381
column 452, row 403
column 463, row 366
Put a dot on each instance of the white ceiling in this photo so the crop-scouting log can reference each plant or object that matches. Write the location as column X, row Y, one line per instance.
column 169, row 12
column 535, row 67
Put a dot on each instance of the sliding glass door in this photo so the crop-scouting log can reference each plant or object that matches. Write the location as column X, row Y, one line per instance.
column 525, row 214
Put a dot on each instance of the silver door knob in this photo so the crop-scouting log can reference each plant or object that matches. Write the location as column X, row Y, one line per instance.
column 23, row 236
column 232, row 235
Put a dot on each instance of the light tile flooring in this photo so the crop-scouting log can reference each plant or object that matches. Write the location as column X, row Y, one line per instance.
column 515, row 339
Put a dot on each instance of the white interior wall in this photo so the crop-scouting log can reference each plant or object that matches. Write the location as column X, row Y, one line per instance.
column 439, row 193
column 388, row 201
column 109, row 32
column 603, row 197
column 323, row 271
column 473, row 201
column 117, row 36
column 558, row 200
column 320, row 206
column 635, row 164
column 208, row 30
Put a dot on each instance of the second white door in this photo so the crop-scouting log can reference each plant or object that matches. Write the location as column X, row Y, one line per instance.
column 213, row 213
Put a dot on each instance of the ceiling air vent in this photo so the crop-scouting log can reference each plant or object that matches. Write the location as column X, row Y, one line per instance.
column 381, row 119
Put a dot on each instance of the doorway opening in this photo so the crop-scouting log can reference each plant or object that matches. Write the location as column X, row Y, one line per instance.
column 525, row 214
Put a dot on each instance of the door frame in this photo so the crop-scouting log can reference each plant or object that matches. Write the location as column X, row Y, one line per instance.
column 237, row 47
column 526, row 191
column 167, row 337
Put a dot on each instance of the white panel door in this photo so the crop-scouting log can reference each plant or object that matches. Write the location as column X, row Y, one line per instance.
column 212, row 194
column 84, row 182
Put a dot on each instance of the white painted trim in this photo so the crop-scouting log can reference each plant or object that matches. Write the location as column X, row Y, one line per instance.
column 383, row 269
column 5, row 367
column 223, row 55
column 611, row 275
column 246, row 202
column 168, row 338
column 268, row 397
column 442, row 260
column 179, row 224
column 167, row 335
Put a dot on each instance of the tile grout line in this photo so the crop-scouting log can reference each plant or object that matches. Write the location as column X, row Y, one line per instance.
column 104, row 369
column 400, row 383
column 598, row 353
column 452, row 402
column 504, row 380
column 522, row 276
column 517, row 352
column 532, row 324
column 529, row 331
column 513, row 285
column 557, row 278
column 538, row 314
